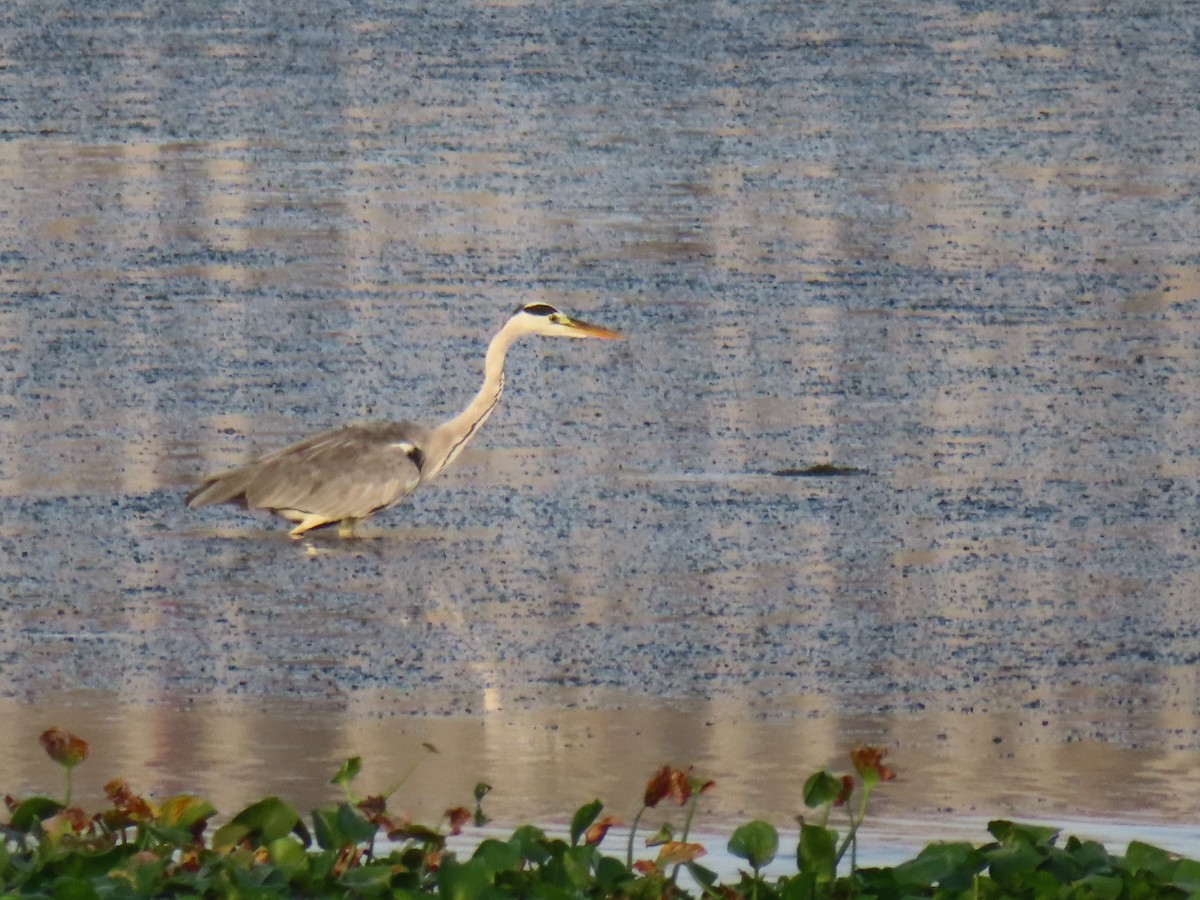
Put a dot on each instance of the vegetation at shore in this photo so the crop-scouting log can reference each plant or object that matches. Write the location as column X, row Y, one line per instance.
column 359, row 848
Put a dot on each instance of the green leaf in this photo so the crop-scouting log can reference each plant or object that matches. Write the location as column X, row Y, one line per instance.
column 1186, row 876
column 288, row 855
column 32, row 812
column 801, row 887
column 341, row 827
column 821, row 789
column 74, row 889
column 184, row 812
column 951, row 866
column 497, row 856
column 1034, row 835
column 260, row 823
column 373, row 876
column 348, row 772
column 1012, row 865
column 462, row 881
column 1098, row 887
column 482, row 789
column 756, row 842
column 816, row 853
column 1155, row 861
column 584, row 817
column 577, row 865
column 530, row 843
column 611, row 874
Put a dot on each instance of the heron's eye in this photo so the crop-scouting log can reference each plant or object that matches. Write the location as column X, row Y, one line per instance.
column 558, row 318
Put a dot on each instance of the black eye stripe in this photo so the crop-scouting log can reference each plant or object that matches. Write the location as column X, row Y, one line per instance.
column 538, row 309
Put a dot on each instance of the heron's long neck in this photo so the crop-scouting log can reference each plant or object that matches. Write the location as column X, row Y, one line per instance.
column 448, row 439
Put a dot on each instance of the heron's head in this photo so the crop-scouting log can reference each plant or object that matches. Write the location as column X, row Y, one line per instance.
column 542, row 318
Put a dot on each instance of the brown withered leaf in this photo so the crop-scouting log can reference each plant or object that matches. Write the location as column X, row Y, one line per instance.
column 668, row 782
column 645, row 867
column 597, row 830
column 69, row 819
column 458, row 816
column 373, row 807
column 675, row 853
column 868, row 762
column 126, row 803
column 845, row 791
column 348, row 858
column 64, row 748
column 658, row 787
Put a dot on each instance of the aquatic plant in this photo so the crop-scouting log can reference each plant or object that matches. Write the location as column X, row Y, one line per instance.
column 359, row 847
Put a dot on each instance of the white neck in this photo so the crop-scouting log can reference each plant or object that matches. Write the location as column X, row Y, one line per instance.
column 447, row 440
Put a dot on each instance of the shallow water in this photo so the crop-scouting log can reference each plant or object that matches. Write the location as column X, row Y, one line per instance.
column 951, row 248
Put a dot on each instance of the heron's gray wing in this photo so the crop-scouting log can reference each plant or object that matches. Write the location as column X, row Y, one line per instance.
column 346, row 473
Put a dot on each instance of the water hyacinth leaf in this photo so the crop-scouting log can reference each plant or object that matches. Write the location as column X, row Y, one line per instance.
column 341, row 827
column 482, row 789
column 260, row 823
column 368, row 878
column 1098, row 887
column 664, row 834
column 816, row 852
column 185, row 811
column 32, row 812
column 65, row 888
column 1012, row 864
column 756, row 842
column 347, row 772
column 462, row 881
column 497, row 856
column 288, row 855
column 1186, row 876
column 611, row 874
column 1142, row 857
column 950, row 866
column 1035, row 835
column 821, row 789
column 530, row 844
column 583, row 818
column 577, row 864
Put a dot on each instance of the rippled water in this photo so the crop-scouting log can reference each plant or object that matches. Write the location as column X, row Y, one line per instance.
column 951, row 247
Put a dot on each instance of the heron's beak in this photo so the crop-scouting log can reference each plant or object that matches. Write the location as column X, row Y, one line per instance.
column 585, row 329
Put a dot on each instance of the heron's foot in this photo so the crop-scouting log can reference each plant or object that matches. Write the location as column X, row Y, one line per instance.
column 309, row 522
column 346, row 528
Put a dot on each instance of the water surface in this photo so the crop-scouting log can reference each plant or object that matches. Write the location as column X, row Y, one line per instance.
column 951, row 248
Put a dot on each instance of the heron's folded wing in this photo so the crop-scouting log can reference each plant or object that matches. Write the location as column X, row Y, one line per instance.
column 348, row 472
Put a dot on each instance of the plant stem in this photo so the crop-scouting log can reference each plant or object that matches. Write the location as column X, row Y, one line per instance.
column 632, row 832
column 851, row 835
column 687, row 826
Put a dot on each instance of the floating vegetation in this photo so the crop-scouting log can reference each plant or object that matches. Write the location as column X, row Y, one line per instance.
column 360, row 848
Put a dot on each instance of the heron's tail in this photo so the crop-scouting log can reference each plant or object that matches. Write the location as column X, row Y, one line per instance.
column 229, row 487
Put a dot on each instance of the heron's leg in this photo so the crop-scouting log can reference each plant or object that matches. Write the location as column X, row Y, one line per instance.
column 346, row 528
column 312, row 520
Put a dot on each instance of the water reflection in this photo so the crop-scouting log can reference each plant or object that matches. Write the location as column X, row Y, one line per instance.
column 948, row 249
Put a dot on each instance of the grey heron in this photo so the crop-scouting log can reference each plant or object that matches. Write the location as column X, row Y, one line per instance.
column 346, row 474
